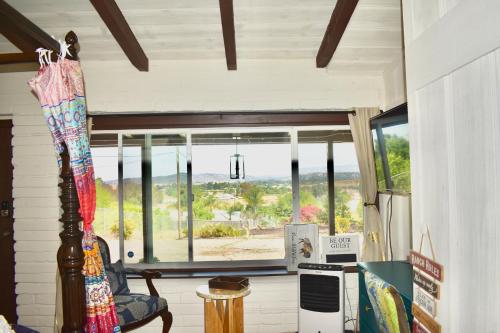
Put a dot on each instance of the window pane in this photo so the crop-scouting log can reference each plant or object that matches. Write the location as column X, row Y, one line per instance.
column 132, row 198
column 348, row 201
column 379, row 167
column 241, row 219
column 168, row 158
column 313, row 175
column 105, row 158
column 397, row 147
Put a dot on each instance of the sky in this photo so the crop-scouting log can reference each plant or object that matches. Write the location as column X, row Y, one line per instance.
column 398, row 130
column 262, row 160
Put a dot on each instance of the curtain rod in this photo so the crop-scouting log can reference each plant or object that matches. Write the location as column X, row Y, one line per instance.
column 198, row 112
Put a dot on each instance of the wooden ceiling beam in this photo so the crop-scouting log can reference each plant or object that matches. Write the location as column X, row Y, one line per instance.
column 227, row 19
column 338, row 23
column 17, row 58
column 22, row 41
column 23, row 33
column 111, row 14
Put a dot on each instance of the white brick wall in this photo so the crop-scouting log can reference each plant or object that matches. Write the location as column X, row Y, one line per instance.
column 270, row 308
column 168, row 87
column 36, row 213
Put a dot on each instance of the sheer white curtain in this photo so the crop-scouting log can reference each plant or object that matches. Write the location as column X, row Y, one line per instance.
column 373, row 246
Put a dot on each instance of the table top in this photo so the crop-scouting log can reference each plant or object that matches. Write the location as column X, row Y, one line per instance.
column 209, row 293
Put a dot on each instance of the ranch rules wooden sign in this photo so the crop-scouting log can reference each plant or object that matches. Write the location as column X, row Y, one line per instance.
column 427, row 265
column 427, row 274
column 427, row 284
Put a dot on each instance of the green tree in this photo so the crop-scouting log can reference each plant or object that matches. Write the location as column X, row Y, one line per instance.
column 233, row 208
column 307, row 199
column 105, row 194
column 203, row 204
column 319, row 189
column 202, row 212
column 400, row 172
column 342, row 225
column 398, row 159
column 158, row 195
column 132, row 191
column 282, row 210
column 342, row 198
column 254, row 198
column 129, row 228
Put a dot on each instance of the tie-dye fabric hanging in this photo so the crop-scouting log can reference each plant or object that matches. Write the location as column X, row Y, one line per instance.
column 60, row 90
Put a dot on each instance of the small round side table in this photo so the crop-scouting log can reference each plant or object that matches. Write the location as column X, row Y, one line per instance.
column 223, row 309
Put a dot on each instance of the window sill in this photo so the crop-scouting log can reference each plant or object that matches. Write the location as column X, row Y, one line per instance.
column 247, row 271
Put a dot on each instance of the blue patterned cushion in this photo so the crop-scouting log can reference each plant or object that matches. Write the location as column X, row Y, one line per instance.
column 117, row 278
column 103, row 249
column 135, row 307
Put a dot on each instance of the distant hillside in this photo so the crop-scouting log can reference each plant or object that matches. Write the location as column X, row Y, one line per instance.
column 322, row 176
column 338, row 169
column 222, row 178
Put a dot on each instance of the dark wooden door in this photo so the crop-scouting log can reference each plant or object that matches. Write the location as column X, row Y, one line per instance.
column 7, row 285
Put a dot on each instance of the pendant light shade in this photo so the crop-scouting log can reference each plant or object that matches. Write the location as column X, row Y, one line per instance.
column 237, row 163
column 237, row 166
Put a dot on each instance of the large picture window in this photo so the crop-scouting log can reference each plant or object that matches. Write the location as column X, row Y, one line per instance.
column 241, row 219
column 168, row 198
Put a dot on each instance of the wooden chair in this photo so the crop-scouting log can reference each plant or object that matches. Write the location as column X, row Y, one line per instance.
column 134, row 310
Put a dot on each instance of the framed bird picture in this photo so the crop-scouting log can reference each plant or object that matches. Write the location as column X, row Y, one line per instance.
column 301, row 244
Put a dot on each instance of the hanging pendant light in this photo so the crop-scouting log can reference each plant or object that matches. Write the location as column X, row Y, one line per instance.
column 237, row 164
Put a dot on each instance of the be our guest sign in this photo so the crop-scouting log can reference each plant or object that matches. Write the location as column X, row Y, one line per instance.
column 340, row 248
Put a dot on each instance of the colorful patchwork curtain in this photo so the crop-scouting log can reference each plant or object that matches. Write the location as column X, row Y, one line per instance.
column 60, row 90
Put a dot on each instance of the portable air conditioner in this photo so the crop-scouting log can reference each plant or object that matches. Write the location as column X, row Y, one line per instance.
column 321, row 298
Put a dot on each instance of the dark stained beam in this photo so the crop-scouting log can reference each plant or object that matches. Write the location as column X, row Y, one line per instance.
column 338, row 22
column 219, row 119
column 22, row 41
column 111, row 15
column 28, row 61
column 23, row 33
column 227, row 19
column 17, row 58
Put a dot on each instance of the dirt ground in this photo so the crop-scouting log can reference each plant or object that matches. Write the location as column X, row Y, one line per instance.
column 260, row 245
column 211, row 249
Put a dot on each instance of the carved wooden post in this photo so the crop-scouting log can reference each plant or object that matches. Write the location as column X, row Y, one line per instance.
column 72, row 40
column 70, row 254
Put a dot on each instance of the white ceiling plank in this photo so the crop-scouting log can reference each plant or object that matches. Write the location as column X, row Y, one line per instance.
column 371, row 18
column 191, row 30
column 355, row 40
column 7, row 47
column 358, row 57
column 30, row 6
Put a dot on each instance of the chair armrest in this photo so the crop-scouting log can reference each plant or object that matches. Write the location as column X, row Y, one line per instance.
column 145, row 273
column 148, row 275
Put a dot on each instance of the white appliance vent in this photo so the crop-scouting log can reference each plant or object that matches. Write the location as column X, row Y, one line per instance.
column 321, row 298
